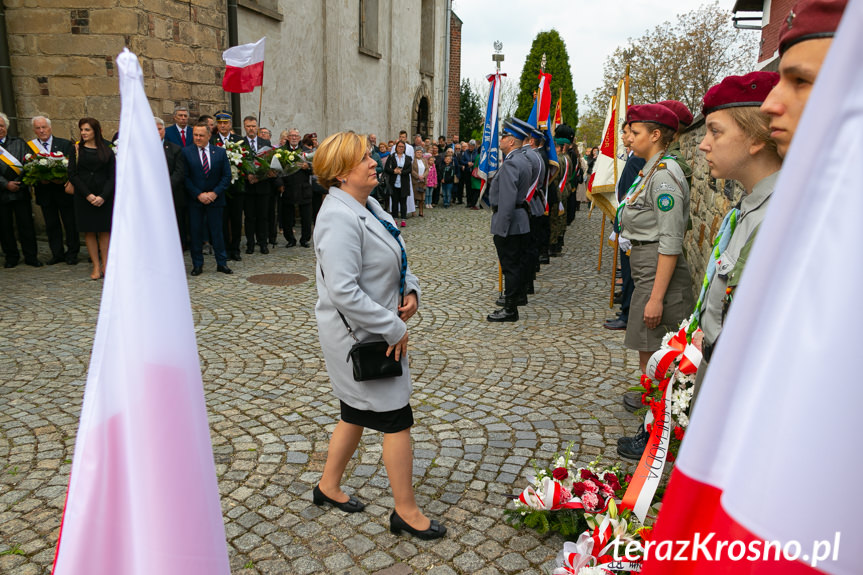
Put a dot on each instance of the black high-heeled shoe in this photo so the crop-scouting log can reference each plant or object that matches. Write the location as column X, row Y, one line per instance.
column 352, row 505
column 435, row 530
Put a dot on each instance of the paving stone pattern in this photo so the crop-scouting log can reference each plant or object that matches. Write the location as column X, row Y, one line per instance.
column 488, row 400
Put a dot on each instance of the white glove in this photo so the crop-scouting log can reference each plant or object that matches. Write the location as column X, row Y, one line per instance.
column 613, row 236
column 624, row 244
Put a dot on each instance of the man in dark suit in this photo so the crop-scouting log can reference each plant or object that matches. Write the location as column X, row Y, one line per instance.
column 297, row 194
column 208, row 176
column 233, row 218
column 180, row 132
column 55, row 197
column 177, row 172
column 15, row 208
column 258, row 192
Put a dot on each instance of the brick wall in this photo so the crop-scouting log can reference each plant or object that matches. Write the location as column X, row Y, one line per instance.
column 453, row 98
column 779, row 10
column 63, row 53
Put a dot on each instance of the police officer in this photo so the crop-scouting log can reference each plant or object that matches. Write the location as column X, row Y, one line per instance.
column 654, row 215
column 535, row 200
column 510, row 224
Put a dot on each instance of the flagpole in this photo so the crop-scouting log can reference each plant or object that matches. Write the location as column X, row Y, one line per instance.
column 261, row 104
column 601, row 241
column 614, row 273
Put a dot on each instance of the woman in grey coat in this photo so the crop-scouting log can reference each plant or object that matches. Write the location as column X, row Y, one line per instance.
column 362, row 273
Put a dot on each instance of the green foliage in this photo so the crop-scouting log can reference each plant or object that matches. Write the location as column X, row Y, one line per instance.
column 470, row 113
column 557, row 64
column 14, row 550
column 564, row 521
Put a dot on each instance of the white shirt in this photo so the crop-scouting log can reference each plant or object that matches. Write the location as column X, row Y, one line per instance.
column 46, row 146
column 400, row 162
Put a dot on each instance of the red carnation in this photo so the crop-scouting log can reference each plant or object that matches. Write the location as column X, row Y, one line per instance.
column 664, row 384
column 645, row 533
column 628, row 478
column 645, row 399
column 648, row 428
column 560, row 473
column 612, row 480
column 678, row 432
column 645, row 382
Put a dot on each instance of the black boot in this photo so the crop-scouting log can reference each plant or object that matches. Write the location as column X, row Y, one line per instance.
column 633, row 447
column 543, row 256
column 509, row 312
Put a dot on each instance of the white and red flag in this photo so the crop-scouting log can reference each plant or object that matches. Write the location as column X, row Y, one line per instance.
column 143, row 497
column 244, row 67
column 771, row 460
column 602, row 185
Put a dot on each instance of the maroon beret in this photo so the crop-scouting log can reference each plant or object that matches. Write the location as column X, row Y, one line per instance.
column 809, row 20
column 652, row 113
column 680, row 110
column 738, row 91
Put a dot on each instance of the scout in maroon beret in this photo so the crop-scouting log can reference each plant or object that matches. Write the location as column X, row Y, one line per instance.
column 737, row 146
column 684, row 116
column 739, row 91
column 652, row 113
column 803, row 44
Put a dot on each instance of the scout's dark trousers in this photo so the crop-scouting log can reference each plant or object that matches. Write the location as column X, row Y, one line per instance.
column 511, row 252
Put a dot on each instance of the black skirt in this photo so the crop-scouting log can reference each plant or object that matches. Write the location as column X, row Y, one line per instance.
column 383, row 421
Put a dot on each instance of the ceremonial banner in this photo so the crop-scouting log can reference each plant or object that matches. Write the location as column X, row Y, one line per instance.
column 558, row 117
column 780, row 406
column 244, row 67
column 602, row 185
column 143, row 497
column 543, row 99
column 488, row 151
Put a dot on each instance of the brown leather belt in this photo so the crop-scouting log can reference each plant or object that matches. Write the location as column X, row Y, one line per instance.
column 638, row 243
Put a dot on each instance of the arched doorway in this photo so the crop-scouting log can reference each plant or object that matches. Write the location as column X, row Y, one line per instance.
column 421, row 125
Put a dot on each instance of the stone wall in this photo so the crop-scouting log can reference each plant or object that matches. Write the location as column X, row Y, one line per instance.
column 63, row 52
column 710, row 200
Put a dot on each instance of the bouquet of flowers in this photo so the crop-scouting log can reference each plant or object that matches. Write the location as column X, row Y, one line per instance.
column 242, row 162
column 559, row 498
column 612, row 543
column 677, row 361
column 286, row 161
column 45, row 167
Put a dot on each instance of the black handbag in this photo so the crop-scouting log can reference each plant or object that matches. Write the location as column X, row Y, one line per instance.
column 369, row 358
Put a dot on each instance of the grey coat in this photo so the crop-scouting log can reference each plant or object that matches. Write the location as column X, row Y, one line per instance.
column 358, row 274
column 507, row 194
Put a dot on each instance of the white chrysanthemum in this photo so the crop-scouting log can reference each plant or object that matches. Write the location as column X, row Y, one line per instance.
column 682, row 420
column 592, row 571
column 43, row 162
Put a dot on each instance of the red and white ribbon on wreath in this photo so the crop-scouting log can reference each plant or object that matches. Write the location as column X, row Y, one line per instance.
column 676, row 355
column 549, row 497
column 594, row 549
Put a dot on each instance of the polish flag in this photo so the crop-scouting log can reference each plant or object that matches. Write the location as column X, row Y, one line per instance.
column 244, row 67
column 143, row 497
column 771, row 461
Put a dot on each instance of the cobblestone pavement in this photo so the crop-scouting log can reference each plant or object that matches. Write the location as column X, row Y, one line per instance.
column 488, row 399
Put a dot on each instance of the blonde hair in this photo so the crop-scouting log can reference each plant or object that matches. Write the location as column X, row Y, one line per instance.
column 337, row 155
column 756, row 125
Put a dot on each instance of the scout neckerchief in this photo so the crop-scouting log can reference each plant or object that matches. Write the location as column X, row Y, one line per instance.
column 10, row 160
column 726, row 230
column 632, row 193
column 403, row 268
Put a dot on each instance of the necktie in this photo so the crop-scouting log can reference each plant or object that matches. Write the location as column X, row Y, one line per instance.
column 45, row 145
column 183, row 136
column 254, row 145
column 205, row 162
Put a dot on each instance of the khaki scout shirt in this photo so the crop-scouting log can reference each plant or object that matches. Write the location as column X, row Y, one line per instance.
column 752, row 210
column 660, row 212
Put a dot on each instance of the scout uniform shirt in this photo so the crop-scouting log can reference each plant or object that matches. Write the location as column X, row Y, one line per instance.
column 752, row 211
column 658, row 210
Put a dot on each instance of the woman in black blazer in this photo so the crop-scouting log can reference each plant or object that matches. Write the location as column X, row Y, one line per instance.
column 398, row 170
column 91, row 171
